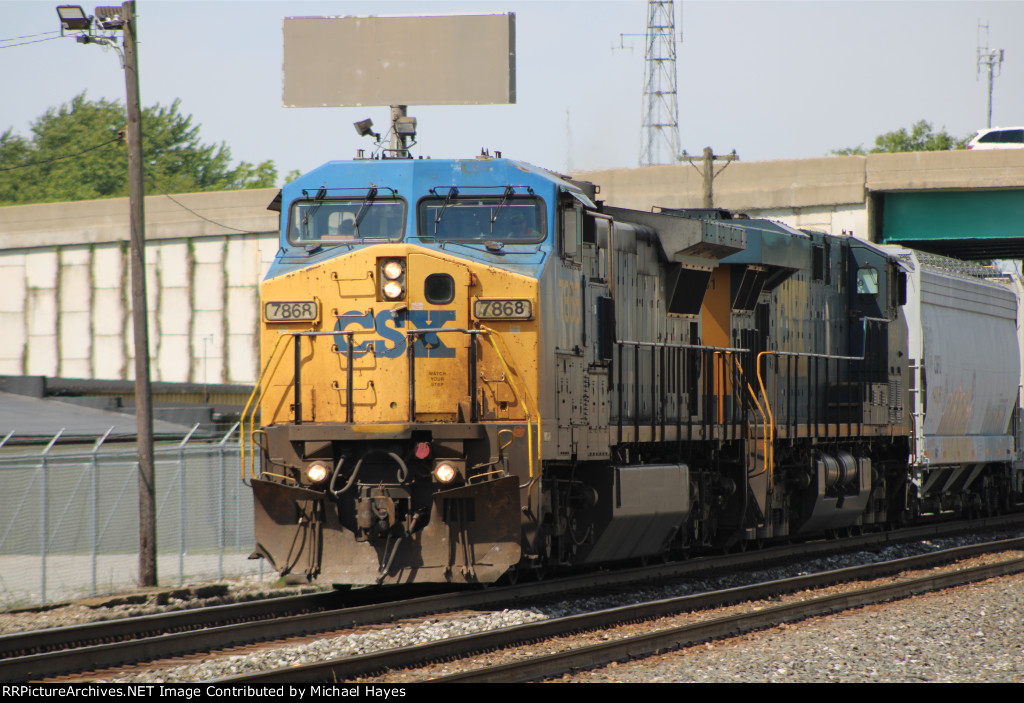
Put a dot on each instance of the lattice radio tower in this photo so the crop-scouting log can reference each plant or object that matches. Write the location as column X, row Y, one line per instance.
column 661, row 104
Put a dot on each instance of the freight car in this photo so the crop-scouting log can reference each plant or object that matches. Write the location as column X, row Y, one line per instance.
column 473, row 369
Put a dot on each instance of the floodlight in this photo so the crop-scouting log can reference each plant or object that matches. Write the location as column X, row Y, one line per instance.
column 406, row 125
column 73, row 17
column 364, row 128
column 110, row 17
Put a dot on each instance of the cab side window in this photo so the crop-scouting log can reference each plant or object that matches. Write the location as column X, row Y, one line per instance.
column 572, row 232
column 867, row 281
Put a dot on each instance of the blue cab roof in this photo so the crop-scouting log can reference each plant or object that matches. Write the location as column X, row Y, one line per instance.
column 412, row 180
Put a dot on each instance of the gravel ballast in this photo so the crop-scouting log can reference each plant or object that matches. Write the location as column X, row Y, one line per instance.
column 871, row 644
column 972, row 633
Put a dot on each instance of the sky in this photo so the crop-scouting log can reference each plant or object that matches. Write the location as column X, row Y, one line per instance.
column 768, row 79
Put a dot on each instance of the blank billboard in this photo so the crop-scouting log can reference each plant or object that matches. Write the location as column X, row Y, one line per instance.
column 444, row 60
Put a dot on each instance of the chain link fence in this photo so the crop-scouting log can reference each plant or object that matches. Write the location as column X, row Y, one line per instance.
column 69, row 518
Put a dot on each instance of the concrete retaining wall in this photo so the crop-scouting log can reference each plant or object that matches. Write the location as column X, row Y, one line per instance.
column 65, row 309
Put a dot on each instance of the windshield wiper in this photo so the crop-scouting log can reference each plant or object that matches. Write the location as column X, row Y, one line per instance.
column 452, row 192
column 509, row 192
column 318, row 200
column 367, row 201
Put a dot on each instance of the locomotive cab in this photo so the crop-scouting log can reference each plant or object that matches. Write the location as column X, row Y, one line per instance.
column 399, row 418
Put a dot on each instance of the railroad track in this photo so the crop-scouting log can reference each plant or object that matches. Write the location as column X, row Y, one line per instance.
column 48, row 653
column 574, row 658
column 671, row 638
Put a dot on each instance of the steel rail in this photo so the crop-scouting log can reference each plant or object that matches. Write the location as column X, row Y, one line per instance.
column 728, row 626
column 63, row 650
column 348, row 668
column 60, row 639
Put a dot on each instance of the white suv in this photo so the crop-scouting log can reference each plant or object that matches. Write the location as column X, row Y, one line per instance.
column 998, row 138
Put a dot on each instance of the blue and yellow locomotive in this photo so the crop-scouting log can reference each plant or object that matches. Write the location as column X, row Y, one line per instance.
column 472, row 368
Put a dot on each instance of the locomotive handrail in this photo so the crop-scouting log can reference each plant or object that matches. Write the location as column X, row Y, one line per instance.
column 705, row 358
column 531, row 408
column 806, row 355
column 770, row 459
column 721, row 395
column 260, row 391
column 670, row 345
column 252, row 419
column 521, row 248
column 764, row 418
column 812, row 355
column 274, row 360
column 336, row 279
column 411, row 354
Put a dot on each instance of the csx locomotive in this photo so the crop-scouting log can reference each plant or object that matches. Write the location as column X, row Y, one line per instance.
column 473, row 369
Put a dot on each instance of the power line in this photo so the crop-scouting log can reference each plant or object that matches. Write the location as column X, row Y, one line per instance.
column 203, row 217
column 153, row 186
column 60, row 158
column 35, row 41
column 31, row 36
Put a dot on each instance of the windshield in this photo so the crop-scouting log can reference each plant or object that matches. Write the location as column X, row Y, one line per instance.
column 351, row 220
column 482, row 218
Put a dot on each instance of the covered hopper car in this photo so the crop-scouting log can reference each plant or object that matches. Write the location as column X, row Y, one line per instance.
column 474, row 369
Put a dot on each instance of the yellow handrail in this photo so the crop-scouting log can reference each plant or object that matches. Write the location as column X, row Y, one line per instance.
column 252, row 419
column 531, row 407
column 522, row 395
column 719, row 387
column 771, row 418
column 753, row 396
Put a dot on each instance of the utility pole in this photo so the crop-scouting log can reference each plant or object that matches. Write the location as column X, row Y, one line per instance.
column 123, row 18
column 708, row 172
column 143, row 396
column 992, row 61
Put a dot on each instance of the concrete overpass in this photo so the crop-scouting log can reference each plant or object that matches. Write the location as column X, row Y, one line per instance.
column 65, row 312
column 963, row 203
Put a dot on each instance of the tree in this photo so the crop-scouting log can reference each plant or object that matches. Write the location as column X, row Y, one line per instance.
column 13, row 150
column 77, row 152
column 920, row 138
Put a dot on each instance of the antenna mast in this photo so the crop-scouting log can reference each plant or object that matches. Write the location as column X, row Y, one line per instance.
column 992, row 61
column 661, row 104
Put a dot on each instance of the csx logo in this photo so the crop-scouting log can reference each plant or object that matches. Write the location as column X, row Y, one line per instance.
column 387, row 324
column 572, row 312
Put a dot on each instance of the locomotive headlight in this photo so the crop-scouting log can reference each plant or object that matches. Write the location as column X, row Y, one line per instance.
column 392, row 278
column 445, row 472
column 317, row 472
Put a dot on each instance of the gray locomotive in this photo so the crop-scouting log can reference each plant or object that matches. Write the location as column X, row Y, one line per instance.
column 795, row 383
